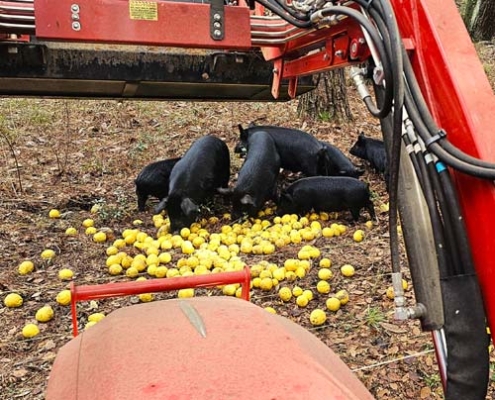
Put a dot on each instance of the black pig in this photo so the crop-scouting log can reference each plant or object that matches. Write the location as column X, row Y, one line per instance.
column 326, row 193
column 257, row 178
column 203, row 169
column 153, row 181
column 372, row 150
column 298, row 150
column 339, row 164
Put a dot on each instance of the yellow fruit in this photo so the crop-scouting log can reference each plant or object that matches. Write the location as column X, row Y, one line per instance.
column 347, row 270
column 44, row 314
column 300, row 272
column 405, row 286
column 95, row 208
column 137, row 222
column 390, row 292
column 30, row 330
column 185, row 293
column 358, row 236
column 100, row 237
column 369, row 224
column 91, row 230
column 115, row 269
column 384, row 207
column 325, row 263
column 256, row 282
column 146, row 297
column 71, row 231
column 266, row 284
column 229, row 290
column 64, row 297
column 279, row 274
column 47, row 254
column 302, row 301
column 65, row 274
column 161, row 272
column 317, row 317
column 327, row 232
column 297, row 291
column 89, row 325
column 96, row 317
column 333, row 304
column 185, row 232
column 323, row 287
column 26, row 267
column 343, row 297
column 186, row 246
column 325, row 274
column 13, row 300
column 54, row 214
column 308, row 293
column 112, row 250
column 88, row 223
column 285, row 294
column 132, row 272
column 271, row 310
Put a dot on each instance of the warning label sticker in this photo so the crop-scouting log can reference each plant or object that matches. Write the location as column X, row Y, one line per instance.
column 143, row 10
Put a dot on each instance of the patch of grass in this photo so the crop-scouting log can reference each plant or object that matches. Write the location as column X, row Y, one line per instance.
column 374, row 317
column 432, row 380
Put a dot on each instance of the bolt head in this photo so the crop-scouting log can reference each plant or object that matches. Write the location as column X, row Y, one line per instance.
column 74, row 8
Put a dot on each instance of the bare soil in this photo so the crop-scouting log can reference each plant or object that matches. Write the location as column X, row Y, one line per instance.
column 72, row 154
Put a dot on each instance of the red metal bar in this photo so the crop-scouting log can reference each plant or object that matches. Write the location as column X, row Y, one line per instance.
column 458, row 93
column 94, row 292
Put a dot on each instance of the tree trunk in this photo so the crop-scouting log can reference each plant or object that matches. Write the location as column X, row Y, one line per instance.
column 479, row 17
column 329, row 100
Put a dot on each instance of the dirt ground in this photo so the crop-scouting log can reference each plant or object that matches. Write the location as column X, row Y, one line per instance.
column 73, row 154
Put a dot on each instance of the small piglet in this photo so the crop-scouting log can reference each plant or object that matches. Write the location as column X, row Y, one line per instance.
column 257, row 180
column 153, row 181
column 298, row 150
column 372, row 150
column 339, row 164
column 203, row 169
column 326, row 193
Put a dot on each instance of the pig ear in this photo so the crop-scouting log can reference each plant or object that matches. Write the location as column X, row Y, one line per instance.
column 188, row 207
column 243, row 132
column 161, row 205
column 361, row 135
column 247, row 199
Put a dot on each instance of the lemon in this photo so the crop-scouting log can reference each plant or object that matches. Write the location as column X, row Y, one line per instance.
column 285, row 294
column 54, row 213
column 185, row 293
column 290, row 276
column 325, row 263
column 390, row 292
column 308, row 293
column 26, row 267
column 300, row 272
column 47, row 254
column 333, row 304
column 95, row 208
column 30, row 330
column 358, row 236
column 271, row 310
column 115, row 269
column 327, row 232
column 323, row 287
column 90, row 230
column 132, row 272
column 161, row 272
column 71, row 231
column 96, row 317
column 89, row 325
column 13, row 300
column 384, row 207
column 347, row 270
column 229, row 290
column 256, row 282
column 325, row 274
column 44, row 314
column 266, row 284
column 88, row 223
column 317, row 317
column 65, row 274
column 297, row 291
column 405, row 286
column 369, row 224
column 100, row 237
column 279, row 274
column 146, row 297
column 64, row 297
column 343, row 297
column 302, row 300
column 137, row 222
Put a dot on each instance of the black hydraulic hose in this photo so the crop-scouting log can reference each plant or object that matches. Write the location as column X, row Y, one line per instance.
column 414, row 159
column 375, row 37
column 282, row 14
column 296, row 14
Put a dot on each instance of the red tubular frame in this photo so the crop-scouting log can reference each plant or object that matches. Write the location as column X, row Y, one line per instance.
column 95, row 292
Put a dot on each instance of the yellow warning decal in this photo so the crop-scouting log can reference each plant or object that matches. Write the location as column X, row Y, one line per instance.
column 143, row 10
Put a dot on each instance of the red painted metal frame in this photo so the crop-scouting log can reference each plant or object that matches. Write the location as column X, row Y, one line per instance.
column 94, row 292
column 109, row 21
column 460, row 97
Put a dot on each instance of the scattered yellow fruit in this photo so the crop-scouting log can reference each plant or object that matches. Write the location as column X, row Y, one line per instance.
column 266, row 284
column 64, row 297
column 390, row 293
column 325, row 274
column 358, row 236
column 405, row 286
column 297, row 291
column 132, row 272
column 271, row 310
column 100, row 237
column 30, row 330
column 185, row 293
column 309, row 294
column 96, row 317
column 347, row 270
column 343, row 297
column 13, row 300
column 54, row 213
column 90, row 230
column 384, row 207
column 89, row 325
column 115, row 269
column 137, row 222
column 146, row 297
column 71, row 231
column 229, row 290
column 327, row 232
column 369, row 224
column 302, row 300
column 88, row 223
column 47, row 254
column 26, row 267
column 44, row 314
column 285, row 294
column 323, row 287
column 325, row 263
column 317, row 317
column 333, row 304
column 65, row 274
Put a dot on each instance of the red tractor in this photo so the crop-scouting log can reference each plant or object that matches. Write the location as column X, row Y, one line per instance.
column 435, row 106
